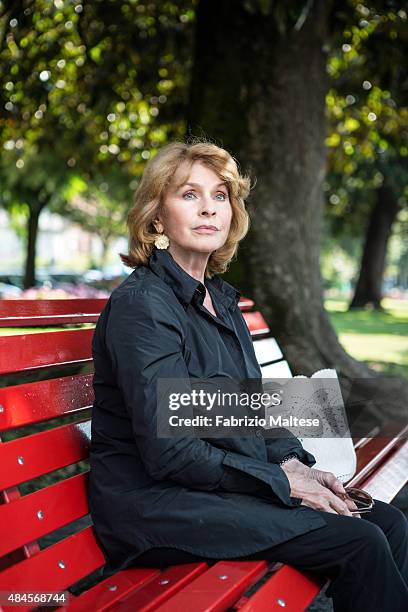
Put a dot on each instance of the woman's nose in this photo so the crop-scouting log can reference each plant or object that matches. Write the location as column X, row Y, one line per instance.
column 208, row 205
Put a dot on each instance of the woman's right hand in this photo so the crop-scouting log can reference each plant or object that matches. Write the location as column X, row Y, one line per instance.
column 314, row 494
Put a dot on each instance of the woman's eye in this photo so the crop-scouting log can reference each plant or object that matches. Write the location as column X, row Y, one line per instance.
column 222, row 194
column 189, row 193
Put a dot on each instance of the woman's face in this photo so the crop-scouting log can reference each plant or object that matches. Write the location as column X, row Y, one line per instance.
column 201, row 201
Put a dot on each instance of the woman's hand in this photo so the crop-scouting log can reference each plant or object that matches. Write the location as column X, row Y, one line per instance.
column 318, row 489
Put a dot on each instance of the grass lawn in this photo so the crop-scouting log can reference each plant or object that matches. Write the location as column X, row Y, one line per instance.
column 378, row 338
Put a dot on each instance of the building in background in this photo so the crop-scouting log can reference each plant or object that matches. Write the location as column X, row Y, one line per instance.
column 61, row 246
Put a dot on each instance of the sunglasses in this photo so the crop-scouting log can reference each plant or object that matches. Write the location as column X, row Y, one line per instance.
column 362, row 499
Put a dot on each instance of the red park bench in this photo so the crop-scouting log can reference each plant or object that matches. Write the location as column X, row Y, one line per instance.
column 47, row 543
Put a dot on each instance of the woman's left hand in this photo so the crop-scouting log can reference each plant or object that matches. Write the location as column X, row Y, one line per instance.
column 326, row 479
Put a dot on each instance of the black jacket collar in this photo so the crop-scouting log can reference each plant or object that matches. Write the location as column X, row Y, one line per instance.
column 184, row 286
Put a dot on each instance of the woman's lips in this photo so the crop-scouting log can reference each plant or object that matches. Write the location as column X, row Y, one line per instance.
column 205, row 230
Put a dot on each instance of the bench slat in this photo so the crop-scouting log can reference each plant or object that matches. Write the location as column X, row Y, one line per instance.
column 217, row 589
column 390, row 478
column 375, row 452
column 37, row 402
column 57, row 567
column 256, row 323
column 34, row 515
column 15, row 313
column 148, row 596
column 280, row 369
column 26, row 458
column 266, row 350
column 279, row 593
column 245, row 303
column 59, row 347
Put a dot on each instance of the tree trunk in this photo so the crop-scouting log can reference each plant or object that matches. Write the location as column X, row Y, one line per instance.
column 32, row 231
column 258, row 90
column 105, row 249
column 369, row 285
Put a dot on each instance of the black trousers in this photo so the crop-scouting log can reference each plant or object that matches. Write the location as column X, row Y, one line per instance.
column 365, row 559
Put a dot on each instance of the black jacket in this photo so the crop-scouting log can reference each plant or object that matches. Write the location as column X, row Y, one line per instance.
column 222, row 498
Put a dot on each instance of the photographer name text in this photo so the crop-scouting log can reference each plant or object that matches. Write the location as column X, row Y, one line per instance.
column 232, row 421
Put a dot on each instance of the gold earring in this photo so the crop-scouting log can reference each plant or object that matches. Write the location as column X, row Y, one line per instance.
column 162, row 241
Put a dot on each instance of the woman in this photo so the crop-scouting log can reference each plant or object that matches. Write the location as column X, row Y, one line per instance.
column 158, row 501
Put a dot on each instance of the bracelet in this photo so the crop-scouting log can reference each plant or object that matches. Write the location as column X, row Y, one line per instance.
column 288, row 458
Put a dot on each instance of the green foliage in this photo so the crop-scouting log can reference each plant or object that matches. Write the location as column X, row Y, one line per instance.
column 367, row 114
column 95, row 78
column 101, row 206
column 367, row 143
column 89, row 92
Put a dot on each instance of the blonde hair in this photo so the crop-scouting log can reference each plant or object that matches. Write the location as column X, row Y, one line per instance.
column 156, row 177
